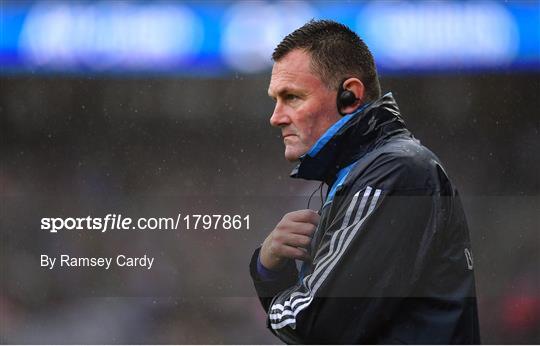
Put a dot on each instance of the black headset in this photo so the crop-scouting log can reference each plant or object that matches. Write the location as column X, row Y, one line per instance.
column 345, row 98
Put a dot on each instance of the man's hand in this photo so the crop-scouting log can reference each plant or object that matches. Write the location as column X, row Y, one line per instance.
column 290, row 239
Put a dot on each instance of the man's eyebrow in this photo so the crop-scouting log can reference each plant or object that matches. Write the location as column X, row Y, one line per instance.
column 283, row 91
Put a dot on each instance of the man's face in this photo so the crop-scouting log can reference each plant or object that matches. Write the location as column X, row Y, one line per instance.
column 305, row 107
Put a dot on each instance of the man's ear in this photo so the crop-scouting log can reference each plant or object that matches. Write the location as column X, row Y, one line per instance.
column 355, row 86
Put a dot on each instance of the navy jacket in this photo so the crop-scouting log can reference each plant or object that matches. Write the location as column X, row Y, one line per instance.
column 392, row 260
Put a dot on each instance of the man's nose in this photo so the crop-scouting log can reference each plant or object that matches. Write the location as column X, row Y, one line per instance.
column 279, row 118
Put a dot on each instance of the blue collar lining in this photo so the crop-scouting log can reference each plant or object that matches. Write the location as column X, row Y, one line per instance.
column 340, row 179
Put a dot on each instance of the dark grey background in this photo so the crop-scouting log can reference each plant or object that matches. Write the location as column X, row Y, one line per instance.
column 78, row 146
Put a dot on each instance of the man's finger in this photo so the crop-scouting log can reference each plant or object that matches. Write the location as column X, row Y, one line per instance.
column 297, row 240
column 302, row 228
column 293, row 253
column 305, row 215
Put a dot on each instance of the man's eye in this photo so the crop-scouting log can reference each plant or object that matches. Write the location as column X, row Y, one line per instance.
column 291, row 97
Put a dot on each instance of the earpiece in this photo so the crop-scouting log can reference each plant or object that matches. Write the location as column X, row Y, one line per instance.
column 345, row 98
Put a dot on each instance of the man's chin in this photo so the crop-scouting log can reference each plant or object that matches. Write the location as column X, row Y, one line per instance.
column 292, row 156
column 292, row 159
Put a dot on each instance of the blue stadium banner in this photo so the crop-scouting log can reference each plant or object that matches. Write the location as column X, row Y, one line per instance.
column 220, row 38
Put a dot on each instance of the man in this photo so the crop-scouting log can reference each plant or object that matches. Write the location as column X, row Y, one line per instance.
column 388, row 260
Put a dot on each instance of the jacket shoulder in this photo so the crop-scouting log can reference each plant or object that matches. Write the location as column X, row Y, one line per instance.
column 401, row 164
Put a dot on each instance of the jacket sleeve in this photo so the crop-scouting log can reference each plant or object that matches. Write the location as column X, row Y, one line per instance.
column 369, row 258
column 268, row 288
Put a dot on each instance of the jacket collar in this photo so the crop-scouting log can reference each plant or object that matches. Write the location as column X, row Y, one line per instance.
column 349, row 139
